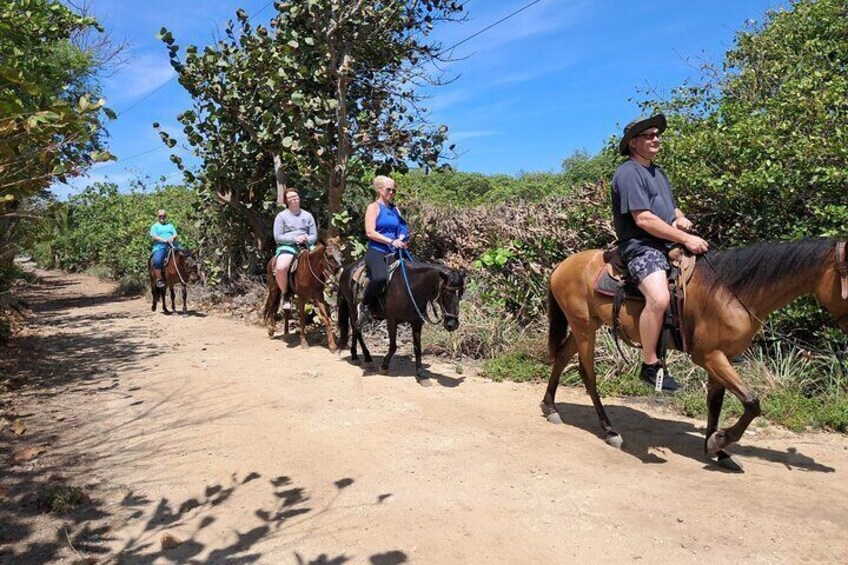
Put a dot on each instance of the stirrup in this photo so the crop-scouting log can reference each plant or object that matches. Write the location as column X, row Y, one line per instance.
column 160, row 283
column 363, row 315
column 287, row 305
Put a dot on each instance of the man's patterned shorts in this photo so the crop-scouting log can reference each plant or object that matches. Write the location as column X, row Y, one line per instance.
column 645, row 261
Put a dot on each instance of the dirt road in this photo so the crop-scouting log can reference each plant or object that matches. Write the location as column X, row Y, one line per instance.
column 251, row 450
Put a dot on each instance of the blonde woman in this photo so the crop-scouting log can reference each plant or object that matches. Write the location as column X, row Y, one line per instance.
column 387, row 232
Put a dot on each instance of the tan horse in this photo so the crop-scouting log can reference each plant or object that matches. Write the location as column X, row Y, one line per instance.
column 314, row 271
column 727, row 299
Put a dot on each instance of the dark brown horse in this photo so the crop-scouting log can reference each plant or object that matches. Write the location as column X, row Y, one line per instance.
column 180, row 268
column 727, row 299
column 428, row 284
column 314, row 271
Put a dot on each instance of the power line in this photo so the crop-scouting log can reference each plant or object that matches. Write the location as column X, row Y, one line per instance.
column 487, row 28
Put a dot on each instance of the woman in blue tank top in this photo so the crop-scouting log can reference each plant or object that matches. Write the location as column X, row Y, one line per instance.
column 387, row 232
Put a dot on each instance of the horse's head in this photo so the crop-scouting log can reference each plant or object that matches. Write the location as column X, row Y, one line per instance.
column 450, row 293
column 189, row 267
column 332, row 255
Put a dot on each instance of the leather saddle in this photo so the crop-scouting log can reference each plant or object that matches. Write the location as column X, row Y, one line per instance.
column 614, row 280
column 359, row 279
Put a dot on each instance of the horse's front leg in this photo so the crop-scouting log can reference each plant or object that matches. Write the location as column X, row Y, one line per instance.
column 185, row 297
column 725, row 376
column 301, row 320
column 715, row 400
column 328, row 325
column 422, row 379
column 173, row 299
column 164, row 297
column 154, row 294
column 391, row 325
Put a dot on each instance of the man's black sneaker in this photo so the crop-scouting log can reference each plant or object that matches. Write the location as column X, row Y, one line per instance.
column 648, row 373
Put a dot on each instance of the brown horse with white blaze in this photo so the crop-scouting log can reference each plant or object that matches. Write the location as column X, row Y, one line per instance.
column 727, row 298
column 314, row 271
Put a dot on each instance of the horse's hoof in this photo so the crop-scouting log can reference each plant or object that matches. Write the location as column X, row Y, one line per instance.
column 715, row 443
column 270, row 332
column 383, row 370
column 614, row 440
column 725, row 461
column 554, row 418
column 424, row 381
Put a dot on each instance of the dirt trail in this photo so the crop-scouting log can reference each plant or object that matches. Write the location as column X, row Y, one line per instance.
column 250, row 450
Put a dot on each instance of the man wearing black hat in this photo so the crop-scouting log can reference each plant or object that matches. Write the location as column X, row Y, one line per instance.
column 647, row 222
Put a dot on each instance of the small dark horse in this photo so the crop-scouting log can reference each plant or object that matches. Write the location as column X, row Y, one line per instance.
column 314, row 271
column 727, row 299
column 428, row 283
column 180, row 268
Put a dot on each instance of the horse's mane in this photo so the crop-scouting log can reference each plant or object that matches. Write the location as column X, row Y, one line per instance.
column 455, row 277
column 746, row 270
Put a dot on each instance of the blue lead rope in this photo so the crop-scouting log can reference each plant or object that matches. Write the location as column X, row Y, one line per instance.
column 408, row 288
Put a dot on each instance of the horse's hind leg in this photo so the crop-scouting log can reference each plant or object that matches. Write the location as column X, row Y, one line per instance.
column 563, row 357
column 185, row 296
column 173, row 299
column 586, row 354
column 366, row 355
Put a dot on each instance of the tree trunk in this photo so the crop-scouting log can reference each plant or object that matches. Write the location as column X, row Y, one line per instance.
column 280, row 178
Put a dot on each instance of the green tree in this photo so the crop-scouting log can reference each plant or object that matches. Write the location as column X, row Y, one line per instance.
column 50, row 109
column 759, row 150
column 324, row 93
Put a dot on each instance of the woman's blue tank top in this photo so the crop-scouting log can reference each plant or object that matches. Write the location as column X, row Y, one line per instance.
column 390, row 224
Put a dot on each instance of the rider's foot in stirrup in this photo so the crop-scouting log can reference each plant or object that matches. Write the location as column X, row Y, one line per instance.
column 287, row 304
column 160, row 283
column 363, row 315
column 649, row 373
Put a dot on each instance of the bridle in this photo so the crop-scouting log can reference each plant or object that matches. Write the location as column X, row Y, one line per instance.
column 442, row 286
column 328, row 270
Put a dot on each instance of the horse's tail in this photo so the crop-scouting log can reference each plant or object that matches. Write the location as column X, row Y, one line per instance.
column 344, row 322
column 558, row 328
column 272, row 303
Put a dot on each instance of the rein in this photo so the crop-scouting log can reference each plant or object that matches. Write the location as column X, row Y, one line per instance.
column 423, row 316
column 172, row 255
column 327, row 274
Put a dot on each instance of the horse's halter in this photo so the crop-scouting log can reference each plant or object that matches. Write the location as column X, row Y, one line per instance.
column 457, row 290
column 842, row 268
column 330, row 265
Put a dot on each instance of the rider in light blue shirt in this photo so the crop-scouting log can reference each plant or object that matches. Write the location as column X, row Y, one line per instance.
column 163, row 233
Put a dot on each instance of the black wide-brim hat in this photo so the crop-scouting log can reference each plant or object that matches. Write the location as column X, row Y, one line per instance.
column 636, row 127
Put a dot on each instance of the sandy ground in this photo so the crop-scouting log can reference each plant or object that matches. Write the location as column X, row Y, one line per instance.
column 252, row 450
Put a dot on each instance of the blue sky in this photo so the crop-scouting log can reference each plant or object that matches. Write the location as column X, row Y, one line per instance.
column 560, row 76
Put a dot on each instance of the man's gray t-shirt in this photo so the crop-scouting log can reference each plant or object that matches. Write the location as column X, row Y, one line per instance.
column 636, row 187
column 288, row 227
